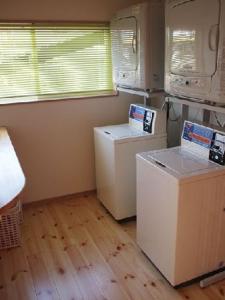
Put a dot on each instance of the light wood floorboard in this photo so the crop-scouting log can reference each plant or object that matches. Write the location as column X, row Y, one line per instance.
column 73, row 249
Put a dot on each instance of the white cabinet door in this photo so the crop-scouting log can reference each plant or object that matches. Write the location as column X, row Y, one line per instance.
column 124, row 43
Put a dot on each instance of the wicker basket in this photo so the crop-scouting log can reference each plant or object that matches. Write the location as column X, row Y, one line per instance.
column 10, row 235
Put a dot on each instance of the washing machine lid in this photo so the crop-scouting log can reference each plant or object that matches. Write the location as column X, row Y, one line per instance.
column 181, row 161
column 123, row 133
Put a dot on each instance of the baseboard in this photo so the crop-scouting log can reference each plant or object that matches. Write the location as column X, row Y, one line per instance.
column 60, row 198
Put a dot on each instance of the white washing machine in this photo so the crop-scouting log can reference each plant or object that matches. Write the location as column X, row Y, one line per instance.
column 115, row 150
column 181, row 205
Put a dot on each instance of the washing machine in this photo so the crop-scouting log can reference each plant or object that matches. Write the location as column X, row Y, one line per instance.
column 115, row 150
column 181, row 205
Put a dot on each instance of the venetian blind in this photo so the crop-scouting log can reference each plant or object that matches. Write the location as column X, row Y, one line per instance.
column 41, row 61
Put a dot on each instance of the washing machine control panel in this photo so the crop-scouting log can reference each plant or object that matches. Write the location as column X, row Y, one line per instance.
column 152, row 120
column 204, row 141
column 141, row 117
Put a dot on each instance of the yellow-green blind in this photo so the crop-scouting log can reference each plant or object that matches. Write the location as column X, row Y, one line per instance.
column 54, row 60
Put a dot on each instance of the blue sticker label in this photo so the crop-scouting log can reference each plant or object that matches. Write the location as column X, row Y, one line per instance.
column 137, row 113
column 198, row 134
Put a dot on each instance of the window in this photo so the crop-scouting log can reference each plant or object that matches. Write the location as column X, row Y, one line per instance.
column 183, row 54
column 49, row 62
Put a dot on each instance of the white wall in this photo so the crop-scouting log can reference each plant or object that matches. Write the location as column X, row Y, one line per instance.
column 66, row 10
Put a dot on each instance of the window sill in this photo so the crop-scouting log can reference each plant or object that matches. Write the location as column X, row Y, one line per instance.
column 61, row 97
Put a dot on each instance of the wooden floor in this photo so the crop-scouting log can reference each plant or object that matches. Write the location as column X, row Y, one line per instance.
column 73, row 249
